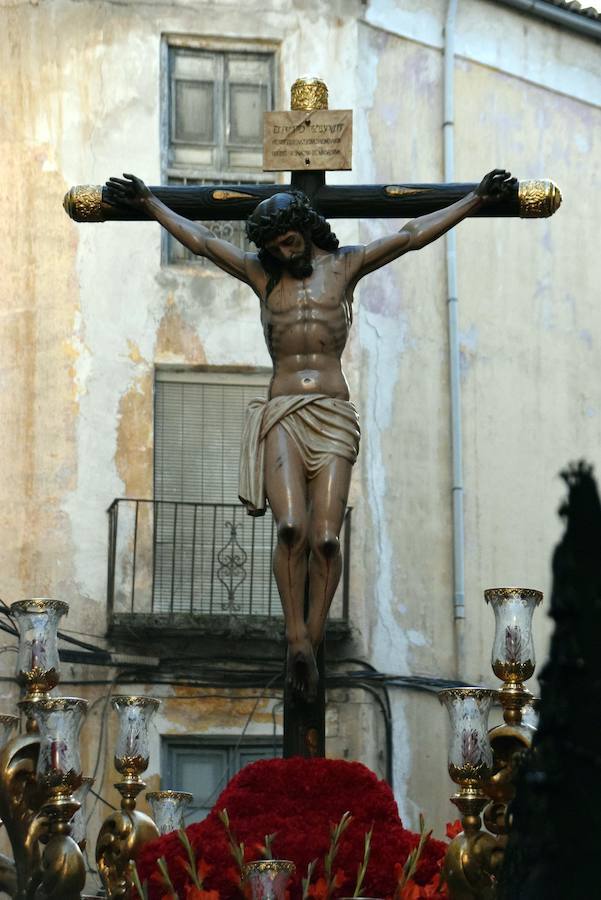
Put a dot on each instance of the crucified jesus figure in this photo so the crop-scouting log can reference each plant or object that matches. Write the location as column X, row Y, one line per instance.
column 300, row 445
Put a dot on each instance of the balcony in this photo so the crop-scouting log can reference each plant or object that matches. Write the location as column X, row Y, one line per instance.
column 200, row 568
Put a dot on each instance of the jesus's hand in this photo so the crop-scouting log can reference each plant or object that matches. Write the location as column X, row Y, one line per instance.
column 496, row 185
column 128, row 190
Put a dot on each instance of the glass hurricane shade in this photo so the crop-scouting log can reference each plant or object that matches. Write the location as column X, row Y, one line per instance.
column 59, row 720
column 132, row 746
column 268, row 878
column 168, row 809
column 512, row 655
column 78, row 822
column 37, row 622
column 470, row 753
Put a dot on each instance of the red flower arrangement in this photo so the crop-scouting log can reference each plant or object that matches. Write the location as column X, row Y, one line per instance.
column 298, row 801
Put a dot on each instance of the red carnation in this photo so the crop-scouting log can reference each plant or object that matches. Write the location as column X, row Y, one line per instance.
column 299, row 800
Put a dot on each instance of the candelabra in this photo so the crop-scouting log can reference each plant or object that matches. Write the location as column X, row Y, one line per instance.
column 482, row 762
column 126, row 830
column 42, row 787
column 62, row 872
column 33, row 810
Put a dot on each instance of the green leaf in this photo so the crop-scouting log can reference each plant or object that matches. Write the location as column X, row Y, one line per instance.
column 306, row 882
column 236, row 849
column 133, row 871
column 267, row 849
column 191, row 866
column 336, row 832
column 362, row 869
column 162, row 864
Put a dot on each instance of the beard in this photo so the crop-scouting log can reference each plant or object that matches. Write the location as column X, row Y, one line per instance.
column 299, row 266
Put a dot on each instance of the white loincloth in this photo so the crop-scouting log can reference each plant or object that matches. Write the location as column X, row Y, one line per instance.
column 321, row 427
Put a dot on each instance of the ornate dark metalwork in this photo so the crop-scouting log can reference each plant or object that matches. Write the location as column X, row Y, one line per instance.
column 231, row 572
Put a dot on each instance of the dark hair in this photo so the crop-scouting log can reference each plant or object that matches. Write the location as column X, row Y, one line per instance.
column 282, row 212
column 285, row 212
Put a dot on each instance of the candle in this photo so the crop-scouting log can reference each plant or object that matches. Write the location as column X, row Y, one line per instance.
column 130, row 744
column 56, row 748
column 37, row 651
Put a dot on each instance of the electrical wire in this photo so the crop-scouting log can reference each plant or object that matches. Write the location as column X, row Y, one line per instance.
column 226, row 772
column 6, row 611
column 219, row 674
column 9, row 630
column 274, row 710
column 102, row 800
column 103, row 731
column 247, row 677
column 100, row 637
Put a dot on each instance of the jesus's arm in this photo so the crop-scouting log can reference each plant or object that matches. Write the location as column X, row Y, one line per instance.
column 422, row 231
column 198, row 239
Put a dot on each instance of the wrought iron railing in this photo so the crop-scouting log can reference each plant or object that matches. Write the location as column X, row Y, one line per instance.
column 208, row 559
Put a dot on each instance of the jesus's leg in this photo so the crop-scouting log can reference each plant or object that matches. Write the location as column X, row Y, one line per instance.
column 328, row 494
column 286, row 490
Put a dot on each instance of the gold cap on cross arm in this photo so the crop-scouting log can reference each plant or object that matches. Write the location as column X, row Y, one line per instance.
column 309, row 92
column 538, row 199
column 83, row 203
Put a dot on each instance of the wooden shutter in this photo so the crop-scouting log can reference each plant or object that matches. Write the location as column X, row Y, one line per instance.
column 195, row 105
column 198, row 428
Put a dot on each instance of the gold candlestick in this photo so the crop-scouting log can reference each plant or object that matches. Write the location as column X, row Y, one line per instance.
column 512, row 658
column 20, row 802
column 126, row 830
column 38, row 669
column 513, row 661
column 473, row 856
column 62, row 871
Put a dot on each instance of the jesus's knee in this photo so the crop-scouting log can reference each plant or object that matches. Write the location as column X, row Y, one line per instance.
column 325, row 543
column 291, row 534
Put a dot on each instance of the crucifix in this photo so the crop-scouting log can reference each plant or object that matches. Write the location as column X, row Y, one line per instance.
column 299, row 446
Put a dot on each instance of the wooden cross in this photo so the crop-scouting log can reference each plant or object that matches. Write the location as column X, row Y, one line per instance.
column 308, row 141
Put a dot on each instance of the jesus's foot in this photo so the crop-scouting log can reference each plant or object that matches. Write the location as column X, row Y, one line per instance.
column 301, row 670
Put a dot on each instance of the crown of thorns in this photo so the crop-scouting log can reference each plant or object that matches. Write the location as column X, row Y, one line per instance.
column 296, row 214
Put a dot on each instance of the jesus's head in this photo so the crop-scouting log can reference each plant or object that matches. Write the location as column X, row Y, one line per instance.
column 284, row 227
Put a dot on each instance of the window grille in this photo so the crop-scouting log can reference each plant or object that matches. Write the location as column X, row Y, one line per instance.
column 216, row 101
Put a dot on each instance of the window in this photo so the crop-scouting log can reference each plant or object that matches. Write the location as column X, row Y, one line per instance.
column 216, row 100
column 209, row 556
column 203, row 766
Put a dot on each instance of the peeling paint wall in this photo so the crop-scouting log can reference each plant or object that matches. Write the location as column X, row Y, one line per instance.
column 527, row 97
column 89, row 311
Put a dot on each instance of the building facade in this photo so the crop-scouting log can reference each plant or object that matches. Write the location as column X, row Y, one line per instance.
column 126, row 365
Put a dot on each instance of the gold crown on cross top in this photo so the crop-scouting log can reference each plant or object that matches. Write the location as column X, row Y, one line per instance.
column 309, row 92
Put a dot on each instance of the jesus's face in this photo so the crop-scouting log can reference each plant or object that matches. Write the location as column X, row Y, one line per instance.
column 287, row 246
column 293, row 251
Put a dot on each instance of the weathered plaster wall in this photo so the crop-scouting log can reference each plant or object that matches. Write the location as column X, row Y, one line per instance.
column 528, row 318
column 88, row 311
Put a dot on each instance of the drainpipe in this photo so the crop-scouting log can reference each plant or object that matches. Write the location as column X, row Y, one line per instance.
column 454, row 359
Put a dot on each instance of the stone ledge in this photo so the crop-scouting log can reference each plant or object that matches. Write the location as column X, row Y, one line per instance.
column 161, row 626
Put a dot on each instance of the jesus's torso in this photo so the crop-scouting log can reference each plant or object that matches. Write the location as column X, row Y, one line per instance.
column 306, row 324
